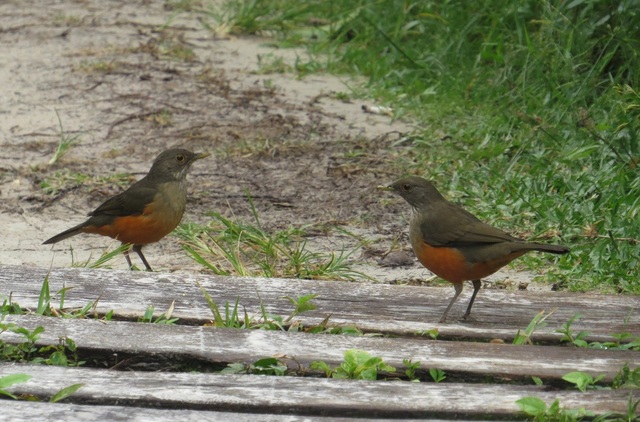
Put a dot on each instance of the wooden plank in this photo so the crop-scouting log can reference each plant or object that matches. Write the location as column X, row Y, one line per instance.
column 221, row 345
column 29, row 411
column 397, row 310
column 299, row 396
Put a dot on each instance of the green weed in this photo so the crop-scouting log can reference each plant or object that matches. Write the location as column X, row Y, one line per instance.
column 357, row 364
column 412, row 367
column 229, row 247
column 162, row 118
column 230, row 316
column 437, row 375
column 624, row 341
column 271, row 64
column 13, row 379
column 162, row 319
column 62, row 354
column 234, row 316
column 45, row 307
column 627, row 378
column 631, row 415
column 537, row 409
column 9, row 380
column 64, row 144
column 62, row 180
column 266, row 366
column 65, row 180
column 65, row 392
column 106, row 256
column 582, row 380
column 302, row 304
column 536, row 322
column 98, row 66
column 433, row 333
column 9, row 307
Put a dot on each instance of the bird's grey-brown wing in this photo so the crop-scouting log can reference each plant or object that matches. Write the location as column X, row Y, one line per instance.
column 451, row 226
column 130, row 202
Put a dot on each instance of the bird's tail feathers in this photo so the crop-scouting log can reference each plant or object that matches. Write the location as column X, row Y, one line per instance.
column 542, row 247
column 65, row 234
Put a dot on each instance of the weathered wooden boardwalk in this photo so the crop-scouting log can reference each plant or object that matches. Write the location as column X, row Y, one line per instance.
column 484, row 378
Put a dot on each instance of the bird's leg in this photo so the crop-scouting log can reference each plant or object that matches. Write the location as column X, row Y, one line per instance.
column 138, row 250
column 126, row 255
column 476, row 287
column 458, row 287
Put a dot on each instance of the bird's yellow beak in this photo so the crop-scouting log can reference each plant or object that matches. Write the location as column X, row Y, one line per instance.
column 382, row 187
column 201, row 155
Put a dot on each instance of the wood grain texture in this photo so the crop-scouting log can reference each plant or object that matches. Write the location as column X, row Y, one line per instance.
column 488, row 375
column 381, row 308
column 220, row 345
column 26, row 411
column 298, row 396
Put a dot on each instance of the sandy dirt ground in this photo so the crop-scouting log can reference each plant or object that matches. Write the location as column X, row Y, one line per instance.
column 128, row 79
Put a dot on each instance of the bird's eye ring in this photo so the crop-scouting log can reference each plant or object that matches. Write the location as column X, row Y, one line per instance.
column 406, row 187
column 180, row 158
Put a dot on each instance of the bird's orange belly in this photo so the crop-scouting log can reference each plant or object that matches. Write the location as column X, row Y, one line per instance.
column 148, row 227
column 451, row 264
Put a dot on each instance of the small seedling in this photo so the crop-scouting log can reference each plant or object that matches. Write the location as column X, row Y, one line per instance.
column 9, row 380
column 266, row 366
column 348, row 330
column 626, row 378
column 65, row 353
column 433, row 333
column 437, row 375
column 302, row 304
column 536, row 322
column 537, row 409
column 65, row 143
column 44, row 298
column 106, row 256
column 579, row 339
column 10, row 307
column 582, row 380
column 357, row 364
column 569, row 336
column 62, row 354
column 46, row 309
column 412, row 367
column 162, row 319
column 231, row 317
column 65, row 392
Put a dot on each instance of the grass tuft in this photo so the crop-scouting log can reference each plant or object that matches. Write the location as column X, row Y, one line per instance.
column 230, row 247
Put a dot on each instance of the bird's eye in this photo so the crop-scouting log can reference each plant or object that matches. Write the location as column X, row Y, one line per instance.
column 180, row 158
column 406, row 187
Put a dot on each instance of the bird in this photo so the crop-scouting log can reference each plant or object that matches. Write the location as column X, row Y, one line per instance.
column 454, row 244
column 147, row 211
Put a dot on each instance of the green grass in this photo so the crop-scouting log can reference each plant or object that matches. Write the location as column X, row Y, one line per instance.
column 528, row 112
column 232, row 247
column 265, row 366
column 64, row 144
column 357, row 364
column 64, row 180
column 232, row 316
